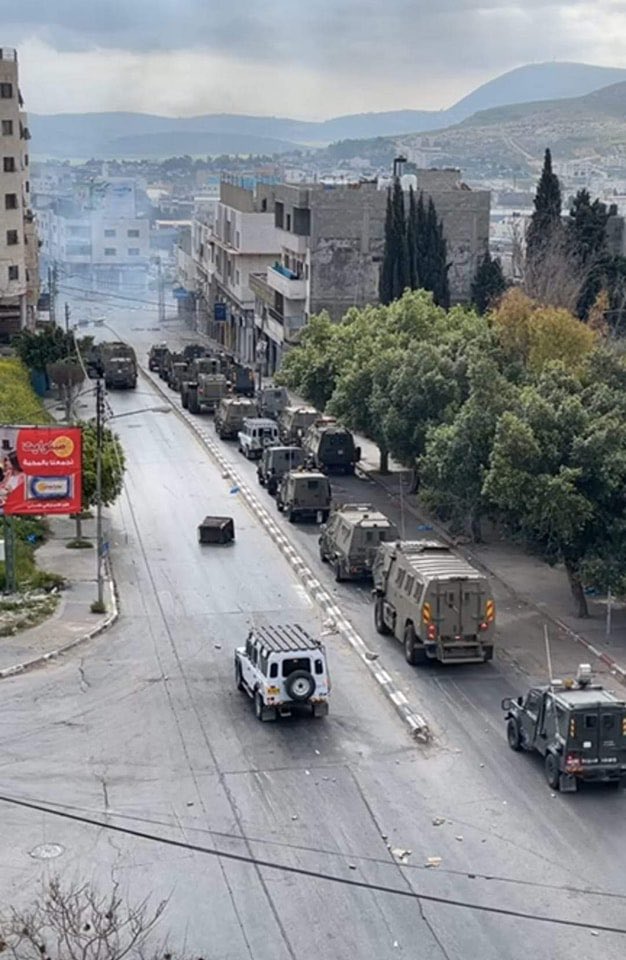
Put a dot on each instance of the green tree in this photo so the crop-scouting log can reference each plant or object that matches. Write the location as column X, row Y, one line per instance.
column 434, row 258
column 545, row 221
column 488, row 284
column 395, row 273
column 586, row 238
column 385, row 286
column 112, row 472
column 311, row 368
column 412, row 238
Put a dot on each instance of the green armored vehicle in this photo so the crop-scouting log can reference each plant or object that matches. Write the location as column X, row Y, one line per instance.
column 330, row 447
column 351, row 537
column 230, row 415
column 203, row 385
column 294, row 422
column 304, row 494
column 434, row 602
column 577, row 726
column 274, row 463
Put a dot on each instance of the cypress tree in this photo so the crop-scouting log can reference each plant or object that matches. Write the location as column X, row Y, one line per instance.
column 546, row 218
column 401, row 278
column 436, row 258
column 421, row 242
column 385, row 286
column 411, row 241
column 488, row 284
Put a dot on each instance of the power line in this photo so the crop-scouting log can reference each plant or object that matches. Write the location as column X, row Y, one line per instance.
column 311, row 874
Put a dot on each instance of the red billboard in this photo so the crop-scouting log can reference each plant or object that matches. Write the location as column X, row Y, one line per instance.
column 40, row 470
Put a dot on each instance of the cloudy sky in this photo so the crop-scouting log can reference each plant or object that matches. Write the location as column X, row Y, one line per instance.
column 299, row 58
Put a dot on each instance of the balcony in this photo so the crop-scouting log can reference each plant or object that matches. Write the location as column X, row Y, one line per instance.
column 286, row 283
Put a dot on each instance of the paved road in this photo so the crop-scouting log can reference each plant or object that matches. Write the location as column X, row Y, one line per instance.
column 147, row 723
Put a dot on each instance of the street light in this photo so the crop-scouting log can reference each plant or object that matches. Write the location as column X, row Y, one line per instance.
column 100, row 420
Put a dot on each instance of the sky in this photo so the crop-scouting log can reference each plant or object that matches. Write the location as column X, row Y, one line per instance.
column 307, row 59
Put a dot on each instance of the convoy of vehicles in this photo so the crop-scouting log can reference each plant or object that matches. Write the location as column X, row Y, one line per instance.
column 330, row 447
column 351, row 537
column 275, row 462
column 434, row 602
column 304, row 494
column 283, row 668
column 577, row 726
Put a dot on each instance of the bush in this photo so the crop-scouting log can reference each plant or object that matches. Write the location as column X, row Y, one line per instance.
column 19, row 403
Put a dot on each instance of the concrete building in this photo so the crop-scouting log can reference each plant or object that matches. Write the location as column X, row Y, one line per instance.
column 331, row 239
column 19, row 270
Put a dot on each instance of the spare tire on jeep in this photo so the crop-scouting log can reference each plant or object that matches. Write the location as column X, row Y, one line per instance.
column 300, row 685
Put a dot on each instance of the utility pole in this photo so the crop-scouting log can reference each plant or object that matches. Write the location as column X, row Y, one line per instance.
column 67, row 317
column 99, row 543
column 52, row 288
column 161, row 291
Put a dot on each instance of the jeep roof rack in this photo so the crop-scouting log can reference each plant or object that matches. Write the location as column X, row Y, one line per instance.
column 286, row 638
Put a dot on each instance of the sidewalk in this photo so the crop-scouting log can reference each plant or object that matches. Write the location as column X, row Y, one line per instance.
column 72, row 621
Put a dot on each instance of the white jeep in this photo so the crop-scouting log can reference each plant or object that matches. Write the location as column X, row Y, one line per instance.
column 256, row 434
column 282, row 667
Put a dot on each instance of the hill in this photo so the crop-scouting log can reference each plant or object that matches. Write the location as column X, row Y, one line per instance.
column 105, row 134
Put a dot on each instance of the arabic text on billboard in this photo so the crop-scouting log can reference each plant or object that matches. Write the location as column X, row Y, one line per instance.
column 40, row 470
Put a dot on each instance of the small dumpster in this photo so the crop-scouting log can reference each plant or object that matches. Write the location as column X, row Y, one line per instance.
column 216, row 530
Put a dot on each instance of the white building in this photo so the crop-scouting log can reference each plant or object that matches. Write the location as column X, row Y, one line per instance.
column 19, row 276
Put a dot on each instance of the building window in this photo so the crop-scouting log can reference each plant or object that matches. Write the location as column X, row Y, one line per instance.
column 109, row 233
column 27, row 186
column 6, row 91
column 8, row 164
column 25, row 159
column 10, row 201
column 133, row 233
column 7, row 128
column 110, row 251
column 237, row 278
column 133, row 251
column 12, row 238
column 288, row 222
column 237, row 239
column 14, row 272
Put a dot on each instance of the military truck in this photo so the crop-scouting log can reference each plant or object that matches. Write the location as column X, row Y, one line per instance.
column 198, row 393
column 171, row 358
column 117, row 363
column 176, row 375
column 274, row 463
column 304, row 493
column 577, row 726
column 240, row 377
column 271, row 401
column 330, row 447
column 294, row 422
column 351, row 537
column 230, row 415
column 154, row 356
column 434, row 602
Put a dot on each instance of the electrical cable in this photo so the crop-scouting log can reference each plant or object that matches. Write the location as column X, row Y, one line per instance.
column 311, row 874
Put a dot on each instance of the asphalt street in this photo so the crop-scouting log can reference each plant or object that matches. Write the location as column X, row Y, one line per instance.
column 145, row 728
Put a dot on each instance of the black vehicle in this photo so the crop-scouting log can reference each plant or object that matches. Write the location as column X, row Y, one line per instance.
column 577, row 726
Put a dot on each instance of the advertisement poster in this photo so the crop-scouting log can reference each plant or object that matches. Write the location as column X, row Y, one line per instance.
column 40, row 470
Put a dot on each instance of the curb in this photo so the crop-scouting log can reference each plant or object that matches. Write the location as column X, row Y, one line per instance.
column 615, row 668
column 53, row 654
column 415, row 721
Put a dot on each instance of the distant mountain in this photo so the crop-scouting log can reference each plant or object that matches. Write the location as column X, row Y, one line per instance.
column 84, row 135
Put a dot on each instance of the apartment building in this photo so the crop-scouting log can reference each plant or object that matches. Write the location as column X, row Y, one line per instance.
column 19, row 270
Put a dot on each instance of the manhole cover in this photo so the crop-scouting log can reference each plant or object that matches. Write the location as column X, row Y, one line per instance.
column 47, row 851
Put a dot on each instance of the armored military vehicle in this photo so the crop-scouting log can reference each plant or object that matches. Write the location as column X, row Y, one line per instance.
column 203, row 385
column 116, row 361
column 194, row 350
column 271, row 401
column 255, row 435
column 167, row 364
column 154, row 357
column 240, row 377
column 577, row 726
column 351, row 537
column 176, row 374
column 294, row 422
column 304, row 493
column 230, row 415
column 274, row 463
column 434, row 602
column 330, row 447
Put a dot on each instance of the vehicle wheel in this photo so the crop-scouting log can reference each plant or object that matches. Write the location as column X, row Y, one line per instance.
column 488, row 650
column 184, row 399
column 325, row 516
column 413, row 652
column 339, row 577
column 194, row 406
column 300, row 685
column 259, row 477
column 552, row 771
column 323, row 556
column 292, row 516
column 379, row 620
column 513, row 734
column 272, row 487
column 279, row 505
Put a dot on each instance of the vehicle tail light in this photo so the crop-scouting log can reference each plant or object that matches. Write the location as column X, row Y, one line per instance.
column 624, row 725
column 431, row 632
column 427, row 613
column 573, row 763
column 484, row 626
column 572, row 727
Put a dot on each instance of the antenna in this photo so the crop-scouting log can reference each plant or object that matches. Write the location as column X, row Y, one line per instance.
column 548, row 655
column 402, row 531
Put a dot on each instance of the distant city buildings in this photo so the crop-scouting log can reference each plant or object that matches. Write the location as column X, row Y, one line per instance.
column 19, row 254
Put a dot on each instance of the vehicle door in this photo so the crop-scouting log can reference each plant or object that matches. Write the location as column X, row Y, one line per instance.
column 530, row 716
column 248, row 663
column 598, row 735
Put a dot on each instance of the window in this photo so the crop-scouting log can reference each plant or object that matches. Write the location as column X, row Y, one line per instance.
column 291, row 664
column 133, row 251
column 263, row 658
column 279, row 213
column 110, row 251
column 109, row 233
column 25, row 159
column 237, row 277
column 273, row 670
column 27, row 186
column 408, row 586
column 12, row 238
column 288, row 223
column 319, row 666
column 591, row 721
column 608, row 722
column 8, row 164
column 399, row 577
column 133, row 233
column 14, row 272
column 312, row 484
column 7, row 128
column 10, row 201
column 6, row 91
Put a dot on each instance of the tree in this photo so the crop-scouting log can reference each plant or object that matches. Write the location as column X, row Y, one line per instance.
column 395, row 274
column 545, row 221
column 113, row 465
column 312, row 366
column 68, row 376
column 586, row 238
column 78, row 923
column 385, row 286
column 434, row 263
column 488, row 284
column 412, row 237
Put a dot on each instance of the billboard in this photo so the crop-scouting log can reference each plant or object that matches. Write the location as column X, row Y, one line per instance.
column 40, row 470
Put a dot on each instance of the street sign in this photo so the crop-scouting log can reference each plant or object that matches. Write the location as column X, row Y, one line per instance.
column 219, row 312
